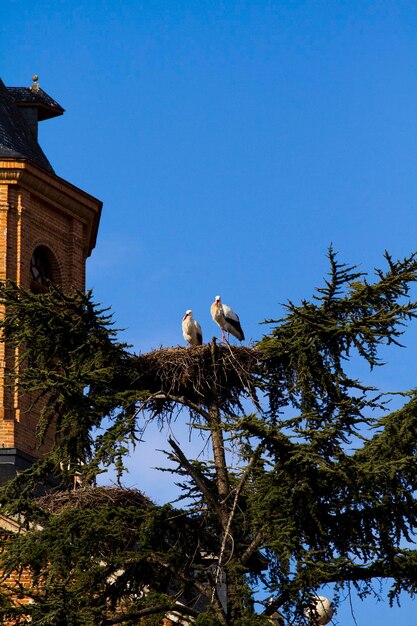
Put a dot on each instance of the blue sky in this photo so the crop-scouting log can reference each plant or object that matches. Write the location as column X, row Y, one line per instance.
column 231, row 143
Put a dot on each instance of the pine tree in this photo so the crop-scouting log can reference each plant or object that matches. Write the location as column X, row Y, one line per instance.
column 310, row 480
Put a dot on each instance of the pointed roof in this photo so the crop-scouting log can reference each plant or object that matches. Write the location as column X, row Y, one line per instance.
column 17, row 139
column 35, row 97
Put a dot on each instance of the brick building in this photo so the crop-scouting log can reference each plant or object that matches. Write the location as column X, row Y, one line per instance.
column 48, row 228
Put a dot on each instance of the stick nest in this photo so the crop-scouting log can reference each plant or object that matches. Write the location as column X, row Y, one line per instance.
column 92, row 498
column 203, row 374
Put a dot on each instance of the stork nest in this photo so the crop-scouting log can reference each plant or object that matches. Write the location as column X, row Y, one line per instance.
column 207, row 374
column 92, row 498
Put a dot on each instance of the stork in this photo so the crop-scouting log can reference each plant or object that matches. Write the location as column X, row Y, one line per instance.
column 227, row 319
column 191, row 329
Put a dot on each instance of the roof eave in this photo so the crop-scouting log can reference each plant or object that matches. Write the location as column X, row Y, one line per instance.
column 57, row 191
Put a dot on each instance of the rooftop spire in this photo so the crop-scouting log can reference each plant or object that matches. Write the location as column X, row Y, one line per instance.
column 21, row 109
column 35, row 84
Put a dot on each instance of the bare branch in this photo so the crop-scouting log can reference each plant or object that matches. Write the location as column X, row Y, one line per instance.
column 184, row 401
column 254, row 545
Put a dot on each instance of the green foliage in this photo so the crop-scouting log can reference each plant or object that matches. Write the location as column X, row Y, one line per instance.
column 77, row 373
column 84, row 562
column 307, row 351
column 206, row 620
column 250, row 620
column 320, row 487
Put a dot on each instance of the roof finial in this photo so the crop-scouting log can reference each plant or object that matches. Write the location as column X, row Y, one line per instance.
column 35, row 85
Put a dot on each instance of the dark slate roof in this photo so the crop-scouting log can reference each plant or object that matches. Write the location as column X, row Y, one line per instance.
column 25, row 96
column 16, row 138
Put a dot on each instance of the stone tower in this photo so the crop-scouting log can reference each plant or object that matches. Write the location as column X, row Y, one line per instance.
column 48, row 228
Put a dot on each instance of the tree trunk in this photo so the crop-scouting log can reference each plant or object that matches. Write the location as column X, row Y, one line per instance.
column 223, row 489
column 217, row 440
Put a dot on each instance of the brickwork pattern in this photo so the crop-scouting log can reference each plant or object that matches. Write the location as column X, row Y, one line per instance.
column 38, row 209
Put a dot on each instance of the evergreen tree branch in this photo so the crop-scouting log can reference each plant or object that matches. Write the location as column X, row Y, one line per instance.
column 202, row 588
column 202, row 483
column 151, row 610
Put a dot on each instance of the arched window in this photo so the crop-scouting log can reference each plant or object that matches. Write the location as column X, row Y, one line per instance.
column 43, row 269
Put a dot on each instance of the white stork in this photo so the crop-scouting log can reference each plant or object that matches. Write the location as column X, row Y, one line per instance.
column 227, row 319
column 191, row 329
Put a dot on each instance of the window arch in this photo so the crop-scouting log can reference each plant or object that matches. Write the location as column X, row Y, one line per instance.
column 44, row 269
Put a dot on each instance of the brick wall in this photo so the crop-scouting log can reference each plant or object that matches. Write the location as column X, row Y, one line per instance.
column 37, row 209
